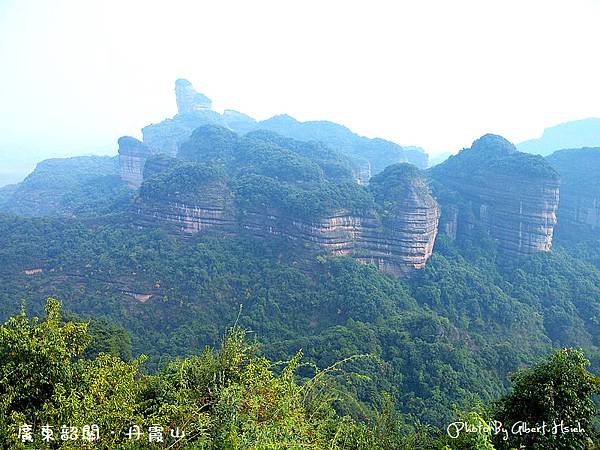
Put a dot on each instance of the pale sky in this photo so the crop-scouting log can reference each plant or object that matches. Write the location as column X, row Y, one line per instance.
column 77, row 74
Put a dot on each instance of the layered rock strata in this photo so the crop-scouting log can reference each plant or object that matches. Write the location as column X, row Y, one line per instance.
column 398, row 241
column 399, row 250
column 514, row 196
column 580, row 187
column 188, row 100
column 132, row 157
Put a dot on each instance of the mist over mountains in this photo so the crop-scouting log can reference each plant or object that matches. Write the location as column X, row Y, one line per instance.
column 16, row 163
column 434, row 284
column 574, row 134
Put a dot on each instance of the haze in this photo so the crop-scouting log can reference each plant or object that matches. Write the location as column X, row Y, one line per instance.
column 74, row 76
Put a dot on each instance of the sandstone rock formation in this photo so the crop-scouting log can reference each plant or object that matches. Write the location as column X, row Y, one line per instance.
column 132, row 157
column 194, row 111
column 403, row 247
column 579, row 170
column 396, row 232
column 514, row 196
column 188, row 100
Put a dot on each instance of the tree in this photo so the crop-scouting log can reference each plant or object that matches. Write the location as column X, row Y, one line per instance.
column 554, row 395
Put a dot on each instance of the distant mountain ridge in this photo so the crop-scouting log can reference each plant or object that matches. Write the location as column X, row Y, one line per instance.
column 579, row 208
column 568, row 135
column 66, row 187
column 268, row 186
column 512, row 195
column 369, row 156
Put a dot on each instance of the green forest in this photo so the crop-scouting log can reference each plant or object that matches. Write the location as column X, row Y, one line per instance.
column 417, row 354
column 246, row 342
column 231, row 397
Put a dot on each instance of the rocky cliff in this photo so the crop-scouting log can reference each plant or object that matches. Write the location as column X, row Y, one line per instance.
column 226, row 189
column 512, row 195
column 579, row 170
column 132, row 157
column 188, row 100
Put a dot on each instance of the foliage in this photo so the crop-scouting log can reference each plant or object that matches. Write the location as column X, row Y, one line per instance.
column 228, row 398
column 181, row 182
column 493, row 156
column 556, row 392
column 81, row 186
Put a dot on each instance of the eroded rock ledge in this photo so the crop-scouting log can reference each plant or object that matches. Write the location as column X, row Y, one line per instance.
column 397, row 240
column 513, row 195
column 580, row 188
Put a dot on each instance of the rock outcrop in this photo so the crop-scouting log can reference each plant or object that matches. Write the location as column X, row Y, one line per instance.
column 188, row 100
column 394, row 225
column 194, row 110
column 213, row 208
column 579, row 170
column 512, row 195
column 398, row 250
column 132, row 157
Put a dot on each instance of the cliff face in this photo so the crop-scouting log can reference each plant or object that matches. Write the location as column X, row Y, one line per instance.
column 188, row 100
column 193, row 198
column 514, row 196
column 398, row 250
column 580, row 187
column 399, row 247
column 132, row 157
column 213, row 208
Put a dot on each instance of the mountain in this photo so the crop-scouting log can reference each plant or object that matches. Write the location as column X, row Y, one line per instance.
column 575, row 134
column 374, row 154
column 439, row 158
column 132, row 158
column 411, row 294
column 580, row 187
column 265, row 185
column 513, row 196
column 369, row 156
column 66, row 187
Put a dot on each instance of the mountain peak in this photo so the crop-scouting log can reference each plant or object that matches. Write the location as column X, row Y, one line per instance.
column 493, row 143
column 188, row 99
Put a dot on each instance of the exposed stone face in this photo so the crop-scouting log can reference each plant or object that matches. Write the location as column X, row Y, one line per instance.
column 188, row 100
column 580, row 187
column 398, row 250
column 581, row 208
column 398, row 243
column 132, row 157
column 514, row 196
column 363, row 172
column 215, row 210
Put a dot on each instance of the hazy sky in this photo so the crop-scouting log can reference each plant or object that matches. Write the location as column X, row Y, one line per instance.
column 76, row 75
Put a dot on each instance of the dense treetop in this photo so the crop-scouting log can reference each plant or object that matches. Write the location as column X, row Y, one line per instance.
column 494, row 154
